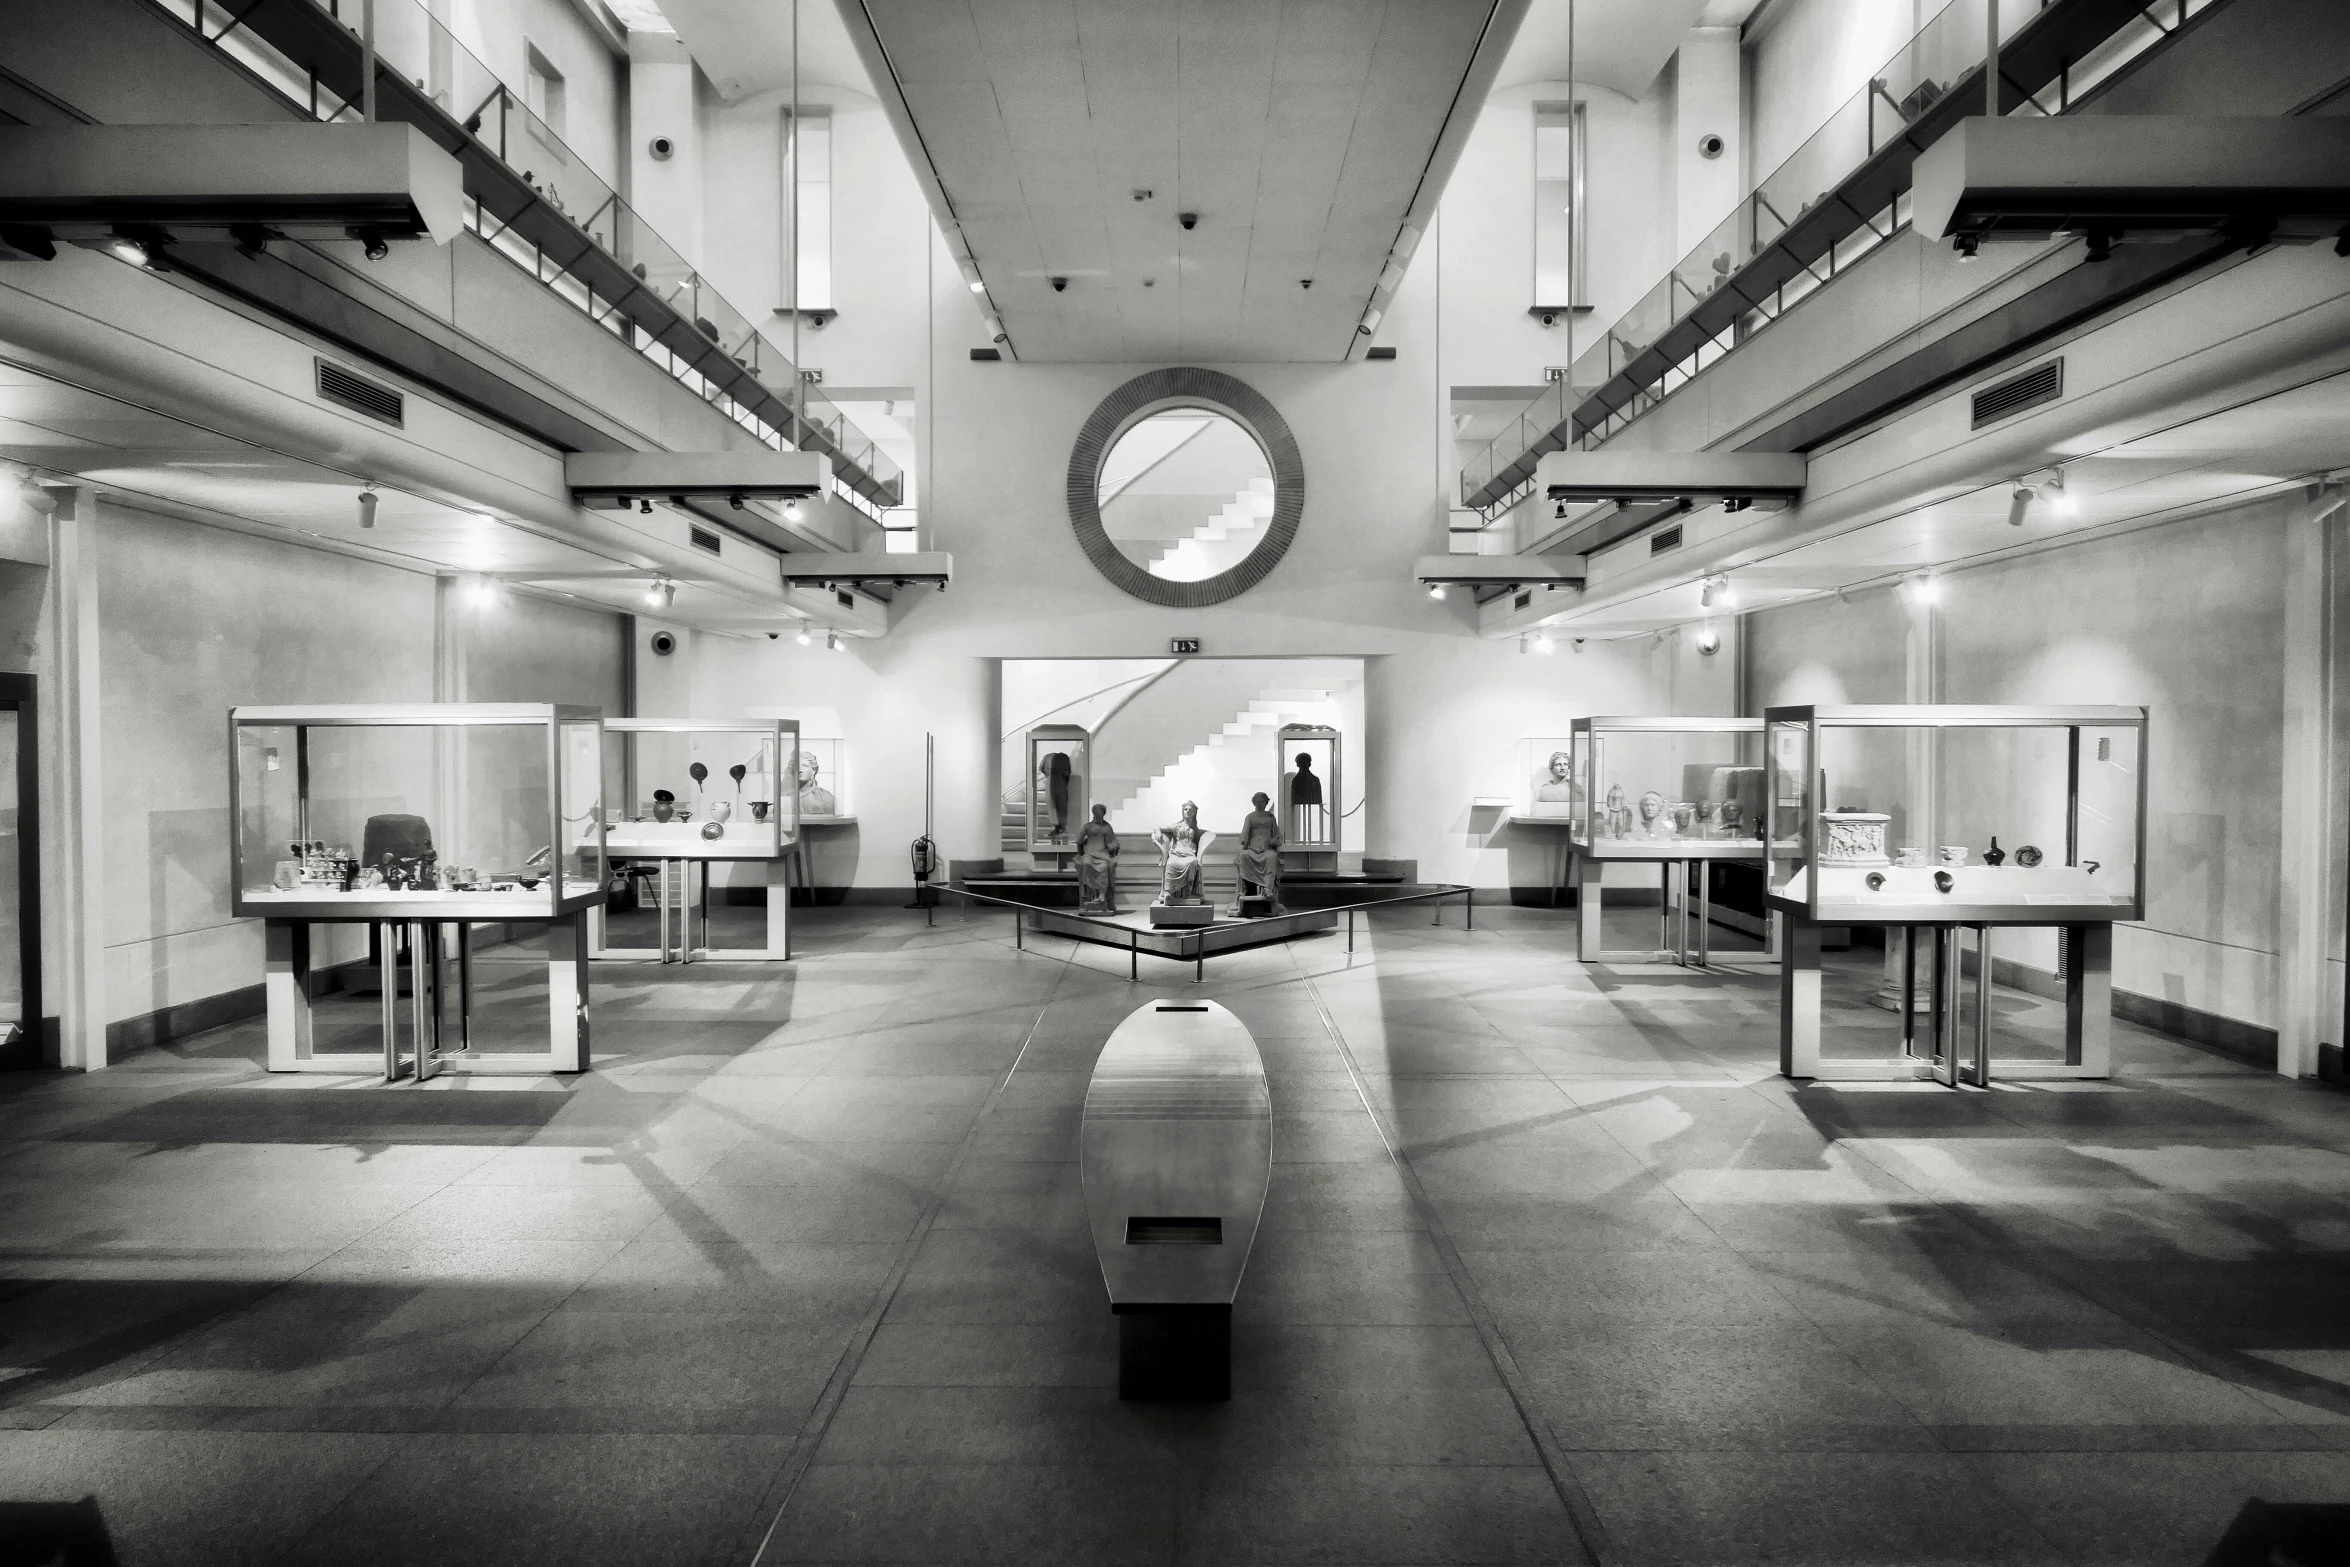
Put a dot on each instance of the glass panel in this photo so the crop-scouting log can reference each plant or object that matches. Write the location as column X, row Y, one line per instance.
column 1701, row 784
column 2110, row 762
column 583, row 806
column 1057, row 775
column 1790, row 805
column 1309, row 791
column 1561, row 240
column 1186, row 494
column 12, row 1015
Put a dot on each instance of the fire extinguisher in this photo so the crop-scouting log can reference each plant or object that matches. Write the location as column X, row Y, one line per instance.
column 925, row 866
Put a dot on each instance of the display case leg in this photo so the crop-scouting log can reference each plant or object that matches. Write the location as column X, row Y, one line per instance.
column 661, row 906
column 1982, row 1062
column 2088, row 998
column 1946, row 1005
column 286, row 990
column 1705, row 913
column 387, row 939
column 423, row 1001
column 1799, row 999
column 465, row 986
column 1133, row 960
column 1588, row 877
column 778, row 910
column 1909, row 990
column 1350, row 930
column 567, row 995
column 1469, row 909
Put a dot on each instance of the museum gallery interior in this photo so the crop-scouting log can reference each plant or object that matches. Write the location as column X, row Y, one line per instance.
column 1128, row 782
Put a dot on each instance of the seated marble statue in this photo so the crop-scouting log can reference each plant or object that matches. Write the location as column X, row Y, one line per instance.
column 814, row 801
column 1181, row 847
column 1258, row 863
column 1097, row 865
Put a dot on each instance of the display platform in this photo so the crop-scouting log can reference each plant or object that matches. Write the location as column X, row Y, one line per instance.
column 1221, row 934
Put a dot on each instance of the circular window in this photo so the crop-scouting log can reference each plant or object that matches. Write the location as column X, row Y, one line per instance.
column 1185, row 487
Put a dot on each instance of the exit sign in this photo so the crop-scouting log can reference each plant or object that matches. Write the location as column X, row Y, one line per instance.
column 1183, row 645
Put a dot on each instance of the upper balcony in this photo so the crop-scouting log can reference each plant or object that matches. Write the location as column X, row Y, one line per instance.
column 541, row 207
column 1837, row 199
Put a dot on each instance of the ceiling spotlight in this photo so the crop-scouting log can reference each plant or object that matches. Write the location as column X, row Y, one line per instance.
column 834, row 643
column 1436, row 590
column 1542, row 642
column 2059, row 499
column 1709, row 641
column 2100, row 245
column 662, row 593
column 735, row 501
column 1966, row 246
column 793, row 511
column 367, row 500
column 482, row 592
column 138, row 252
column 803, row 638
column 1559, row 511
column 1925, row 590
column 2019, row 504
column 371, row 243
column 977, row 287
column 645, row 506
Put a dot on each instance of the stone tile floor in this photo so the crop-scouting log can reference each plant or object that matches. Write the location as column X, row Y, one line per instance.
column 1553, row 1265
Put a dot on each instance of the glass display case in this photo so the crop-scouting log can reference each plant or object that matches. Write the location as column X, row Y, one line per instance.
column 699, row 789
column 1059, row 777
column 465, row 811
column 1987, row 815
column 820, row 766
column 1661, row 788
column 1307, row 760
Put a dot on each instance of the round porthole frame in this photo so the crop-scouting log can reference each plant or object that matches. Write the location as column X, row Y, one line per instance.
column 1212, row 391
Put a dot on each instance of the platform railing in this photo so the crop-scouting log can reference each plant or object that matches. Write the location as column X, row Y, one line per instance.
column 1129, row 938
column 531, row 198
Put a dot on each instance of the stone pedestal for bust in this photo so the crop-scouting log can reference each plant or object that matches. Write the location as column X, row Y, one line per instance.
column 1183, row 914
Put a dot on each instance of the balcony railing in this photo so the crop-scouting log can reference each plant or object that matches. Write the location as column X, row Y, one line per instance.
column 537, row 203
column 1840, row 195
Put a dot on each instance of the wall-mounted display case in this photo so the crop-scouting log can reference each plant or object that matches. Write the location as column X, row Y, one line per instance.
column 473, row 811
column 1060, row 775
column 820, row 768
column 1307, row 759
column 1978, row 815
column 700, row 789
column 1682, row 788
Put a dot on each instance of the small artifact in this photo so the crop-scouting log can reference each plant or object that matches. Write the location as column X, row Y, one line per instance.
column 1853, row 837
column 814, row 801
column 1944, row 881
column 759, row 809
column 697, row 773
column 1652, row 806
column 1097, row 865
column 1619, row 817
column 2027, row 856
column 664, row 805
column 720, row 811
column 1954, row 854
column 1684, row 816
column 1180, row 848
column 714, row 829
column 288, row 873
column 1728, row 815
column 1911, row 855
column 738, row 772
column 1257, row 867
column 1995, row 855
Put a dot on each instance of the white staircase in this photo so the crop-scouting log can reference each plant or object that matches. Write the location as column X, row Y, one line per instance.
column 1222, row 772
column 1220, row 543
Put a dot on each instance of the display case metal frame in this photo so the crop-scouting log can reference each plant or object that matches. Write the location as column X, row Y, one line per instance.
column 418, row 924
column 2085, row 925
column 1040, row 741
column 774, row 844
column 1285, row 742
column 20, row 694
column 1685, row 923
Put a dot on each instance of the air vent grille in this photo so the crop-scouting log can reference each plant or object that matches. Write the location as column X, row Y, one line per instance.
column 2040, row 384
column 847, row 600
column 703, row 539
column 1523, row 600
column 346, row 390
column 1665, row 539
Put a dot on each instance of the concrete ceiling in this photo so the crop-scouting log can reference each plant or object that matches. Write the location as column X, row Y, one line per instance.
column 1619, row 44
column 745, row 49
column 1307, row 135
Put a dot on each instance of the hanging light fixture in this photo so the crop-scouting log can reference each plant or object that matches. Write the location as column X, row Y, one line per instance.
column 1436, row 590
column 793, row 511
column 832, row 640
column 803, row 639
column 662, row 593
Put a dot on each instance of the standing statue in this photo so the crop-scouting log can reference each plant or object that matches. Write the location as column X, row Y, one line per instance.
column 1304, row 791
column 1180, row 850
column 814, row 800
column 1619, row 819
column 1054, row 768
column 1258, row 864
column 1097, row 865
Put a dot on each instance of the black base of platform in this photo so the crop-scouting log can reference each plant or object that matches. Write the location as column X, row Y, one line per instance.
column 1175, row 1354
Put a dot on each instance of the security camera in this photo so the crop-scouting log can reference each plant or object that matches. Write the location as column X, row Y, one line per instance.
column 664, row 643
column 1060, row 285
column 1189, row 220
column 662, row 149
column 1003, row 337
column 1550, row 318
column 367, row 508
column 774, row 636
column 1709, row 145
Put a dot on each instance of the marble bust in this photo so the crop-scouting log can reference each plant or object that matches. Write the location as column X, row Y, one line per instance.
column 815, row 800
column 1558, row 787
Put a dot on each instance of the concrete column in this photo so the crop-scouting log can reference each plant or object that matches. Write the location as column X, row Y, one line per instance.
column 666, row 192
column 2304, row 922
column 1921, row 811
column 72, row 783
column 1706, row 105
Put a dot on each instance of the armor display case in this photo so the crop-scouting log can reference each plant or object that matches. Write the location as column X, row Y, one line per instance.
column 1307, row 762
column 1946, row 823
column 699, row 792
column 1059, row 777
column 475, row 811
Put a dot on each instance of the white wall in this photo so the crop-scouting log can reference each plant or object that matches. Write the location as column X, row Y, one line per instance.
column 497, row 32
